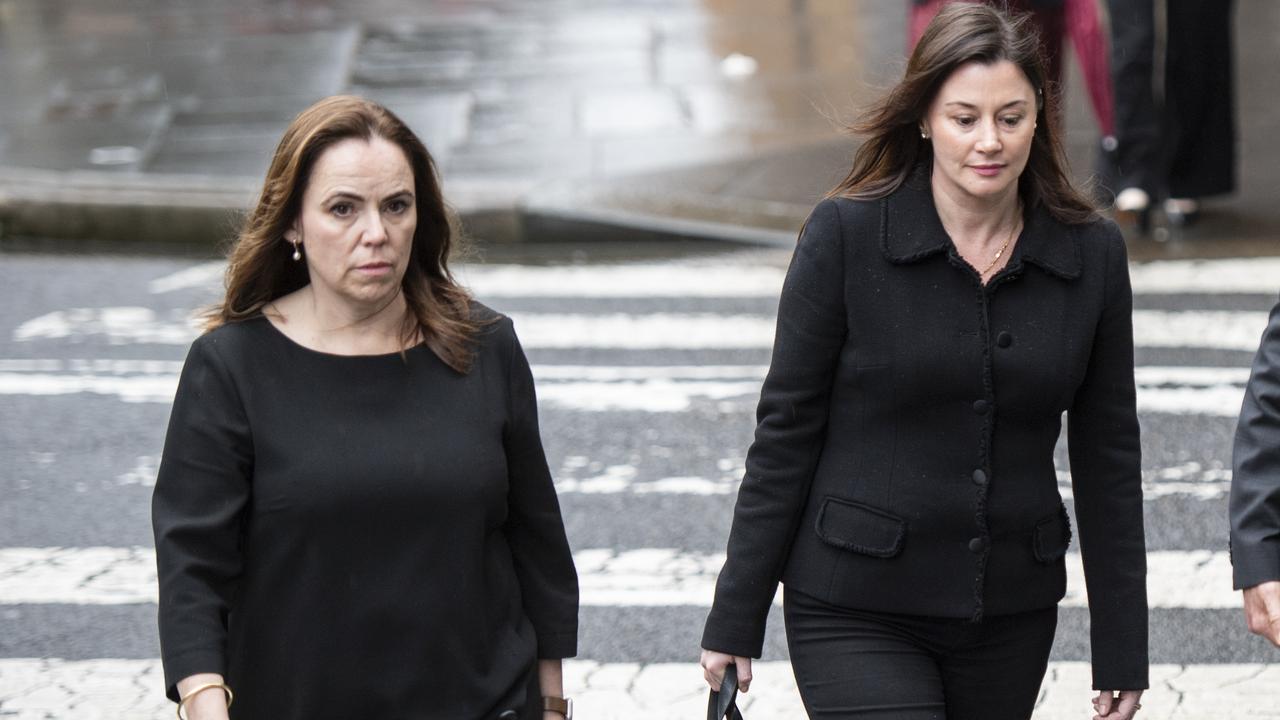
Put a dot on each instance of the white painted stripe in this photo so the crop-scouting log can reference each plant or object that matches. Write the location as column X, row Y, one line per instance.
column 204, row 276
column 151, row 389
column 649, row 577
column 119, row 325
column 1219, row 329
column 697, row 278
column 102, row 366
column 1229, row 330
column 642, row 332
column 1154, row 375
column 679, row 278
column 733, row 277
column 79, row 575
column 608, row 373
column 1259, row 275
column 602, row 388
column 40, row 688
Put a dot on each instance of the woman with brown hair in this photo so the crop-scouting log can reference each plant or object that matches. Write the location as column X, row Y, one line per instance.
column 945, row 305
column 353, row 515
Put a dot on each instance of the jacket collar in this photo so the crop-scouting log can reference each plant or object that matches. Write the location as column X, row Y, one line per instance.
column 910, row 231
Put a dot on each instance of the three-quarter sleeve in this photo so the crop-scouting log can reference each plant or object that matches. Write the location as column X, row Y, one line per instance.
column 201, row 492
column 1255, row 483
column 1106, row 472
column 535, row 528
column 791, row 423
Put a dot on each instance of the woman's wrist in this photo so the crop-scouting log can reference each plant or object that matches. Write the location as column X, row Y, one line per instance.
column 206, row 705
column 204, row 696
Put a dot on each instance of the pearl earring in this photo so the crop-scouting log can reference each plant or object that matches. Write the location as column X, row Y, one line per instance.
column 297, row 250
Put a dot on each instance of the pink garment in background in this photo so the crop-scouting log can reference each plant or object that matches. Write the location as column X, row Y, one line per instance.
column 1077, row 19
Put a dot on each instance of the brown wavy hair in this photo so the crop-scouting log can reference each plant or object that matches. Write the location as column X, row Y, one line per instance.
column 961, row 33
column 260, row 269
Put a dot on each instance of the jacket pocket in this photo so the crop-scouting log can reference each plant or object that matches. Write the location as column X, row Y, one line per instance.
column 860, row 528
column 1052, row 537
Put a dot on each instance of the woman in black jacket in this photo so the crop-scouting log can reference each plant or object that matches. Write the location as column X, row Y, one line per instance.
column 948, row 302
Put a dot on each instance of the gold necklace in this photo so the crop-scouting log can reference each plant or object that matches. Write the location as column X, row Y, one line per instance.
column 1000, row 252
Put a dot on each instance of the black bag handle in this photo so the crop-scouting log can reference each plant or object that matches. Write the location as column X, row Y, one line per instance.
column 724, row 704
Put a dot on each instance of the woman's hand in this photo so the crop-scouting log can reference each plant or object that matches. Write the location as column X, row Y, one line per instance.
column 714, row 663
column 1109, row 707
column 208, row 704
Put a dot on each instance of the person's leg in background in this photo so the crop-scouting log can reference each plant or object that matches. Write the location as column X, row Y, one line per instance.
column 1137, row 154
column 1199, row 105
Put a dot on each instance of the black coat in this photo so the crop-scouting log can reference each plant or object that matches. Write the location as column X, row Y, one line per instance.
column 903, row 460
column 1255, row 482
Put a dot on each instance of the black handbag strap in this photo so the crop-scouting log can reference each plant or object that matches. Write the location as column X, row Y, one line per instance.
column 724, row 704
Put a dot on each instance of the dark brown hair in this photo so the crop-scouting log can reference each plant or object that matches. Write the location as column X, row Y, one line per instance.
column 260, row 269
column 962, row 33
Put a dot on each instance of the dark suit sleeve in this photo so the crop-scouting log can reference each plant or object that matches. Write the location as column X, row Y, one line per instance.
column 791, row 424
column 1107, row 482
column 201, row 492
column 1255, row 480
column 535, row 529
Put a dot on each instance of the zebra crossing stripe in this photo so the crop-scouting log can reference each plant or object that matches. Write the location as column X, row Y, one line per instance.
column 1210, row 391
column 735, row 277
column 644, row 577
column 1215, row 329
column 41, row 688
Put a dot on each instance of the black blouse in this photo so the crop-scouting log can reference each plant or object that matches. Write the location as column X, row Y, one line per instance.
column 359, row 536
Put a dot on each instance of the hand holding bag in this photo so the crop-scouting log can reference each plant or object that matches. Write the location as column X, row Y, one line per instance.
column 723, row 705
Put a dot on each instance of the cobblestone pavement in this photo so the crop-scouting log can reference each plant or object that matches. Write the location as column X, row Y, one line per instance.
column 53, row 690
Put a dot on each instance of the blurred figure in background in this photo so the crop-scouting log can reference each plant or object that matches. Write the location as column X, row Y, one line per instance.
column 1175, row 120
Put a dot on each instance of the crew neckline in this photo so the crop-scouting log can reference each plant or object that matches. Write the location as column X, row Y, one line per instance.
column 374, row 356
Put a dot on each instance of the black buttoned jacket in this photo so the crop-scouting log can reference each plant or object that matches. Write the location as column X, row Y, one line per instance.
column 903, row 458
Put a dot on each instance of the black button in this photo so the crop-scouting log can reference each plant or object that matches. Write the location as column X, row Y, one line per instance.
column 981, row 406
column 508, row 715
column 979, row 477
column 977, row 545
column 1004, row 339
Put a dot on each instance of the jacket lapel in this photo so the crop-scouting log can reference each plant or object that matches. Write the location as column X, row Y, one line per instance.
column 911, row 231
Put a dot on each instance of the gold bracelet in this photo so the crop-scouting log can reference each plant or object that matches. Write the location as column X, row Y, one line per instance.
column 201, row 688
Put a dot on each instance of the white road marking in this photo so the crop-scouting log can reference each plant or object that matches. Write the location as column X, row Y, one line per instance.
column 697, row 278
column 1207, row 391
column 1227, row 330
column 732, row 277
column 42, row 688
column 1255, row 275
column 647, row 577
column 203, row 276
column 1219, row 329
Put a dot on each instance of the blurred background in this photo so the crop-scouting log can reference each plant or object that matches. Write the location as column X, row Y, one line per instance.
column 631, row 176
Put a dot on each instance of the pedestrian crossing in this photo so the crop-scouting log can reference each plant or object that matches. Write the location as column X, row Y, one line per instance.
column 648, row 577
column 1218, row 329
column 647, row 374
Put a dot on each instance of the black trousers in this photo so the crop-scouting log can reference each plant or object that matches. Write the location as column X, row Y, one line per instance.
column 1175, row 132
column 865, row 665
